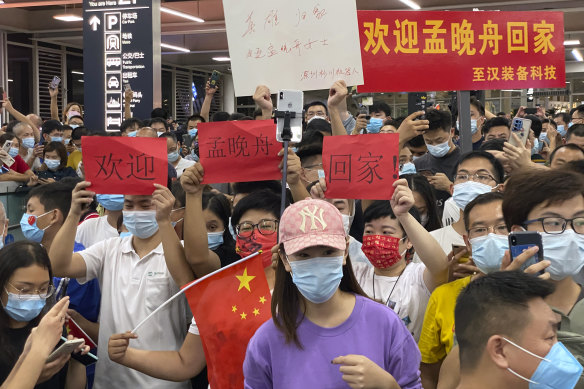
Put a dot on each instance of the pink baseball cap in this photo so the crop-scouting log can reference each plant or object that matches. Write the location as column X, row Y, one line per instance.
column 310, row 223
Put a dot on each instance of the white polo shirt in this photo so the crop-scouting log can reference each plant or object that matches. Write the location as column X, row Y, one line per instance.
column 131, row 288
column 95, row 230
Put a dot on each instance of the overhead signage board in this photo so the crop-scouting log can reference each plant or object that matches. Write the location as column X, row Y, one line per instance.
column 121, row 46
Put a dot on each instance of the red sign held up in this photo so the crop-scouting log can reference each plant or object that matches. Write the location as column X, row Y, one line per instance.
column 360, row 166
column 239, row 151
column 413, row 51
column 124, row 165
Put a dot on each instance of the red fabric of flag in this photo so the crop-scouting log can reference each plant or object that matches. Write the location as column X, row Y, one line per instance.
column 228, row 308
column 74, row 329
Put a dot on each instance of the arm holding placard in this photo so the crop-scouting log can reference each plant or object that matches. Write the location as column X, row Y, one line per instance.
column 206, row 107
column 201, row 260
column 337, row 97
column 427, row 248
column 174, row 253
column 263, row 99
column 298, row 190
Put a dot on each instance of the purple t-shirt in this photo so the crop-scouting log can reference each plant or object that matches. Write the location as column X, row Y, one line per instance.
column 372, row 330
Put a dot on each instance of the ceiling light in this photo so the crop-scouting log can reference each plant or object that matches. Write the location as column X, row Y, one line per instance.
column 9, row 80
column 572, row 42
column 221, row 59
column 578, row 55
column 80, row 80
column 166, row 46
column 181, row 14
column 410, row 4
column 68, row 18
column 76, row 72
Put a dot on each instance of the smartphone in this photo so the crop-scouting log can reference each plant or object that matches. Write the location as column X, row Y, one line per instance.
column 86, row 360
column 417, row 101
column 292, row 101
column 214, row 79
column 364, row 110
column 55, row 83
column 521, row 241
column 7, row 145
column 457, row 249
column 530, row 111
column 7, row 160
column 65, row 348
column 520, row 127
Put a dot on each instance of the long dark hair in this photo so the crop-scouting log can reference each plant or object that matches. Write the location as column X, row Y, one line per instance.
column 287, row 300
column 15, row 256
column 220, row 206
column 419, row 183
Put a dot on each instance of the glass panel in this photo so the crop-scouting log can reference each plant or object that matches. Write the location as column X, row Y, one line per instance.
column 75, row 79
column 20, row 78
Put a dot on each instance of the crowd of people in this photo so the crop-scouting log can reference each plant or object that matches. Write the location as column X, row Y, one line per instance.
column 418, row 291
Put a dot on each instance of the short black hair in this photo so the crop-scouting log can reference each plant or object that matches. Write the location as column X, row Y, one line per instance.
column 264, row 200
column 79, row 132
column 493, row 144
column 179, row 193
column 485, row 198
column 309, row 151
column 579, row 109
column 416, row 141
column 56, row 195
column 439, row 120
column 575, row 130
column 170, row 135
column 569, row 146
column 236, row 116
column 220, row 116
column 550, row 121
column 315, row 103
column 129, row 123
column 478, row 105
column 502, row 113
column 382, row 208
column 158, row 120
column 575, row 166
column 380, row 107
column 51, row 125
column 495, row 304
column 495, row 122
column 159, row 113
column 536, row 124
column 495, row 164
column 320, row 125
column 254, row 186
column 566, row 117
column 196, row 117
column 418, row 183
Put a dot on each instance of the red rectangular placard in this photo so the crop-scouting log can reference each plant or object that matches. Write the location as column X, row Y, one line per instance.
column 360, row 166
column 124, row 165
column 408, row 51
column 239, row 151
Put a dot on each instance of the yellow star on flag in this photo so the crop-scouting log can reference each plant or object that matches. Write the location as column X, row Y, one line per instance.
column 262, row 299
column 243, row 315
column 234, row 308
column 256, row 312
column 244, row 280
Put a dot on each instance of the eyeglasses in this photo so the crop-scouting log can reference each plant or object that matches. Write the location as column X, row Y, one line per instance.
column 43, row 293
column 499, row 229
column 264, row 227
column 557, row 225
column 483, row 178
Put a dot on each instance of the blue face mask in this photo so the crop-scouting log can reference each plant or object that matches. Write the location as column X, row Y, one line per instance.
column 67, row 141
column 158, row 133
column 25, row 307
column 13, row 152
column 111, row 202
column 28, row 142
column 142, row 224
column 193, row 132
column 562, row 130
column 565, row 251
column 32, row 231
column 466, row 192
column 558, row 369
column 52, row 164
column 56, row 139
column 132, row 134
column 535, row 148
column 317, row 279
column 73, row 126
column 440, row 150
column 488, row 251
column 231, row 230
column 123, row 234
column 374, row 125
column 473, row 126
column 408, row 168
column 543, row 137
column 172, row 157
column 214, row 239
column 570, row 124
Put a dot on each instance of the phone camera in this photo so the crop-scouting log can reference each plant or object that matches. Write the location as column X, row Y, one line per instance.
column 513, row 239
column 281, row 95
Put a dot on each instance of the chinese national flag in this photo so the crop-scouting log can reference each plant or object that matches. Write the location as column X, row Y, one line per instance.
column 74, row 329
column 228, row 308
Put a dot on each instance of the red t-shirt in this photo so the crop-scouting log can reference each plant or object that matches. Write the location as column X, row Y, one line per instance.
column 19, row 165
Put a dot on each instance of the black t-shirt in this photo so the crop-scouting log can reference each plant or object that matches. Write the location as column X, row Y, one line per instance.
column 17, row 338
column 227, row 254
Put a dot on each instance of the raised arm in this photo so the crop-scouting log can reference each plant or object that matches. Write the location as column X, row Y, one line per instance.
column 206, row 107
column 54, row 93
column 65, row 263
column 297, row 189
column 411, row 127
column 200, row 258
column 166, row 365
column 426, row 246
column 174, row 253
column 21, row 118
column 263, row 99
column 337, row 95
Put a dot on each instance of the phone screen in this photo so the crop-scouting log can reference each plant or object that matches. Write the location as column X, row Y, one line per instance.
column 517, row 250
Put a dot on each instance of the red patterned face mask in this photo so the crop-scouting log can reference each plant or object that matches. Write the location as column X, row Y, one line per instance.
column 257, row 241
column 381, row 250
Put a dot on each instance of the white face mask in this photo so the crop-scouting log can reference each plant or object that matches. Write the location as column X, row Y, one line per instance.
column 347, row 221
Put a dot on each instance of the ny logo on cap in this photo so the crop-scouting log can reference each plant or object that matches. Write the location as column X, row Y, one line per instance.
column 313, row 218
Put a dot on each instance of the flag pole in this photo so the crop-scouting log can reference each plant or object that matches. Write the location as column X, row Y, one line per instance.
column 188, row 286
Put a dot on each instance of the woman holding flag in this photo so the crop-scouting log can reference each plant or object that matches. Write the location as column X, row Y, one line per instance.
column 322, row 321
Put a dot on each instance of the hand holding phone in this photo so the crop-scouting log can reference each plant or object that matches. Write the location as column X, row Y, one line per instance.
column 291, row 101
column 520, row 128
column 214, row 81
column 519, row 244
column 65, row 348
column 7, row 145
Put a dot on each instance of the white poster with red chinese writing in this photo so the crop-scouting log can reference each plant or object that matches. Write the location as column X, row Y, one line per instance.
column 298, row 44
